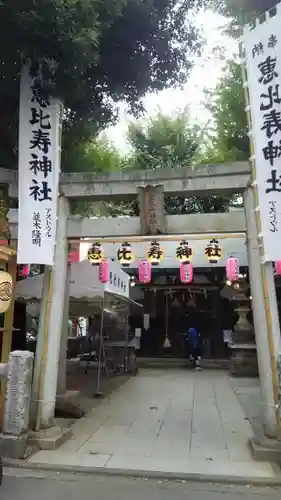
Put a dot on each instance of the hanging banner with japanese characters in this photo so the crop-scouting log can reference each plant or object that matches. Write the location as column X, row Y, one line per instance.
column 263, row 62
column 39, row 169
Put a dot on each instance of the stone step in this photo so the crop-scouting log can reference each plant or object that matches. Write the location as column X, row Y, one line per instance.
column 222, row 364
column 241, row 336
column 266, row 451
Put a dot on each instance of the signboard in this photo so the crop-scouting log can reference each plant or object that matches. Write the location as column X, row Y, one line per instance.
column 39, row 168
column 119, row 281
column 152, row 210
column 84, row 282
column 230, row 246
column 263, row 60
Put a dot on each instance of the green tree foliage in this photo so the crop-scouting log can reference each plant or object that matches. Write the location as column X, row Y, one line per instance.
column 242, row 11
column 234, row 7
column 106, row 50
column 170, row 142
column 163, row 142
column 228, row 139
column 98, row 156
column 159, row 142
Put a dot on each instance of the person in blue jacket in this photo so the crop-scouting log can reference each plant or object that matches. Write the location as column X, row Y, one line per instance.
column 193, row 340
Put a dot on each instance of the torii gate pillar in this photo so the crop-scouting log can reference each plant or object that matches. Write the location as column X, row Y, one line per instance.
column 268, row 411
column 48, row 350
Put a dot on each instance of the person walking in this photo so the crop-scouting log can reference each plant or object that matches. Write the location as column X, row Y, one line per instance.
column 193, row 346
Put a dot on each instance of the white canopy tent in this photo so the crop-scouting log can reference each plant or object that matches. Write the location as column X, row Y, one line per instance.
column 86, row 292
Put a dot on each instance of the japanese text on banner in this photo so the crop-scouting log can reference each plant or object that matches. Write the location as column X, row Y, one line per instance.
column 38, row 172
column 263, row 58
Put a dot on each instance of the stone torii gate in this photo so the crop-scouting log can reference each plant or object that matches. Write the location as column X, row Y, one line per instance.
column 204, row 180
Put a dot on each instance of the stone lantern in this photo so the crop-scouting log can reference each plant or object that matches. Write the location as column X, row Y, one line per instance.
column 243, row 349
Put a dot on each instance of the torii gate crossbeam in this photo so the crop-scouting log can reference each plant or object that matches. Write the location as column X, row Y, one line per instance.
column 201, row 180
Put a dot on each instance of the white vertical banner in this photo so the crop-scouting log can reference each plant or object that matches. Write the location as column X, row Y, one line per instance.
column 263, row 61
column 39, row 169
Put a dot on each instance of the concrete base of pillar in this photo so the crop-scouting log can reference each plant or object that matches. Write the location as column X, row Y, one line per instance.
column 266, row 450
column 13, row 446
column 243, row 337
column 68, row 405
column 243, row 361
column 50, row 439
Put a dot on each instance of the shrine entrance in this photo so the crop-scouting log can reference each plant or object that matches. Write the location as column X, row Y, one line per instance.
column 167, row 311
column 151, row 189
column 167, row 301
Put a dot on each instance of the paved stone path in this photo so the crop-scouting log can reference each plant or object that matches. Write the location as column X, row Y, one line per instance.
column 172, row 421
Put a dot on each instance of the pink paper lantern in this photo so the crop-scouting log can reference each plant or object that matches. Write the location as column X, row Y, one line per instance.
column 232, row 269
column 104, row 271
column 24, row 270
column 278, row 267
column 73, row 256
column 186, row 272
column 74, row 253
column 144, row 271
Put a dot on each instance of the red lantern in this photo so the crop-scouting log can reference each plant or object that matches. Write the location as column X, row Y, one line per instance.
column 186, row 272
column 73, row 253
column 104, row 271
column 73, row 256
column 23, row 271
column 145, row 271
column 232, row 269
column 278, row 267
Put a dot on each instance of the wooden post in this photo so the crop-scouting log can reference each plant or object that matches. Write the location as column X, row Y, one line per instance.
column 9, row 316
column 4, row 208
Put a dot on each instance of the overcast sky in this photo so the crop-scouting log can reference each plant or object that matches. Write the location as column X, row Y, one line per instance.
column 205, row 74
